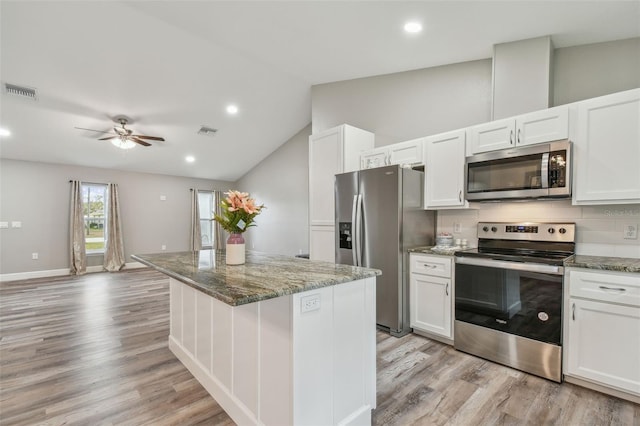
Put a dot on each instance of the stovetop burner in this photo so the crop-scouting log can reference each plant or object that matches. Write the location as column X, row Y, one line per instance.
column 547, row 243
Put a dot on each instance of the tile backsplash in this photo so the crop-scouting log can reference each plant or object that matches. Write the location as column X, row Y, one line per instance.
column 599, row 229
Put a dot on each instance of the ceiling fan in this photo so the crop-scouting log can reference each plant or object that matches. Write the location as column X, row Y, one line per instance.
column 124, row 138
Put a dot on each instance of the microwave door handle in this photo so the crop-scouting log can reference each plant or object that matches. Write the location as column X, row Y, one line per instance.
column 544, row 170
column 354, row 233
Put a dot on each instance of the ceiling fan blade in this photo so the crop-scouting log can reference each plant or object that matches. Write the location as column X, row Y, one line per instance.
column 153, row 138
column 140, row 141
column 91, row 130
column 109, row 138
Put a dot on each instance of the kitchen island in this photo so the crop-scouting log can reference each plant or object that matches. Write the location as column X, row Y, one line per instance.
column 278, row 340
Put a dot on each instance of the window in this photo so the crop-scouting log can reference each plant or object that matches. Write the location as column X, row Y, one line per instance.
column 94, row 204
column 205, row 205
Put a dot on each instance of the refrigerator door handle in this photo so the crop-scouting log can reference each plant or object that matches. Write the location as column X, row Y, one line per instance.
column 354, row 232
column 358, row 232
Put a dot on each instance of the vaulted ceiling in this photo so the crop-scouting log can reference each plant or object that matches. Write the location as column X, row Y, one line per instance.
column 173, row 66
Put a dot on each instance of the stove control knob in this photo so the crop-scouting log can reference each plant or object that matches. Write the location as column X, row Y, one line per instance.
column 551, row 230
column 494, row 229
column 485, row 228
column 562, row 231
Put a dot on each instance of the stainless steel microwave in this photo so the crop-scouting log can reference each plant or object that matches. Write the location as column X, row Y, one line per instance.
column 537, row 171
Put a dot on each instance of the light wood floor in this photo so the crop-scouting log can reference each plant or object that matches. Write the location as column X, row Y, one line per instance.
column 92, row 350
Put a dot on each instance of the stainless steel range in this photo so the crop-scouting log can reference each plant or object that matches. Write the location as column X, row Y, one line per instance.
column 508, row 295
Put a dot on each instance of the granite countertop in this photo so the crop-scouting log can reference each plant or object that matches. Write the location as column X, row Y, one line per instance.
column 439, row 250
column 263, row 276
column 621, row 264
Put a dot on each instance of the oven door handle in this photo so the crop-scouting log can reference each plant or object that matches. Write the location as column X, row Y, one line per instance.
column 517, row 266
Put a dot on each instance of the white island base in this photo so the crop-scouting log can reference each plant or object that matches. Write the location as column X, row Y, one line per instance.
column 302, row 359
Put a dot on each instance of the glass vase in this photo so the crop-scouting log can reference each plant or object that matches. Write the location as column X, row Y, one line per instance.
column 235, row 250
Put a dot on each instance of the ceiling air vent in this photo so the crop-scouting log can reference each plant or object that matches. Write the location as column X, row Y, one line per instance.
column 207, row 131
column 22, row 91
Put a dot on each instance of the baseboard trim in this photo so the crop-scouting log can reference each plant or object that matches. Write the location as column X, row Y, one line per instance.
column 59, row 272
column 603, row 389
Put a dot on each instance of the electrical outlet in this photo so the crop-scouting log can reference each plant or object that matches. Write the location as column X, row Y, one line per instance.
column 310, row 303
column 163, row 198
column 631, row 231
column 16, row 224
column 164, row 247
column 34, row 256
column 4, row 224
column 457, row 227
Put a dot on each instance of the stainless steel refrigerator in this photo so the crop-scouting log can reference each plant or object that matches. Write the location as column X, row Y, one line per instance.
column 379, row 216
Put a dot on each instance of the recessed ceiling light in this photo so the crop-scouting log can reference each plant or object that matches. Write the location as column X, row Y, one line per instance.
column 190, row 158
column 4, row 132
column 232, row 109
column 413, row 27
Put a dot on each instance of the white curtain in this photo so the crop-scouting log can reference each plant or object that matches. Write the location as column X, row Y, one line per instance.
column 219, row 234
column 77, row 249
column 114, row 259
column 195, row 239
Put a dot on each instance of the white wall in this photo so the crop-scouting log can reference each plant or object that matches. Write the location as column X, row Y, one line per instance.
column 592, row 70
column 599, row 229
column 37, row 194
column 281, row 182
column 407, row 105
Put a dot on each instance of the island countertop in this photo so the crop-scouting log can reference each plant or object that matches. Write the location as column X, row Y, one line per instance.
column 263, row 276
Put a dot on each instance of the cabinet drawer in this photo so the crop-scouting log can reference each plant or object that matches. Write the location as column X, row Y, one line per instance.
column 623, row 289
column 431, row 265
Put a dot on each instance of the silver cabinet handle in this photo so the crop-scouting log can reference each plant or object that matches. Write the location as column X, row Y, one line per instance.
column 613, row 288
column 447, row 289
column 519, row 135
column 460, row 195
column 426, row 265
column 573, row 311
column 511, row 137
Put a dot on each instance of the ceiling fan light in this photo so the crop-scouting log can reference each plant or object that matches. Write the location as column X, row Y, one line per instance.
column 123, row 143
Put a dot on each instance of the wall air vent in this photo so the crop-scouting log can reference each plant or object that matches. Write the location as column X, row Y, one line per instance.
column 22, row 91
column 207, row 131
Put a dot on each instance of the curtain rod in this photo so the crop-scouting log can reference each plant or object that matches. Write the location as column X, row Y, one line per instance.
column 91, row 183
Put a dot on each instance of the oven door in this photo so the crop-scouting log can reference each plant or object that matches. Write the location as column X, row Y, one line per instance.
column 517, row 298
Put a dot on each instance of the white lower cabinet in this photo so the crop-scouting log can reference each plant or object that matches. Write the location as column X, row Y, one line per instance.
column 322, row 243
column 602, row 345
column 431, row 295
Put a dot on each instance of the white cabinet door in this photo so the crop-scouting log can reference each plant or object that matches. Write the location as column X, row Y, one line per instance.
column 325, row 161
column 604, row 343
column 372, row 158
column 607, row 150
column 430, row 308
column 498, row 134
column 543, row 126
column 322, row 241
column 333, row 151
column 444, row 170
column 409, row 152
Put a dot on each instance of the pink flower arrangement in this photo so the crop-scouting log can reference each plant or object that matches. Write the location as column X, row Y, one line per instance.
column 238, row 212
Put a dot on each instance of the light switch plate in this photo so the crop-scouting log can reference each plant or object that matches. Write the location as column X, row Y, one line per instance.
column 631, row 231
column 16, row 224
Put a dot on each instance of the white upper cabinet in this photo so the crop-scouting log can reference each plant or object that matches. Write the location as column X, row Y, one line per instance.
column 607, row 150
column 542, row 126
column 333, row 151
column 376, row 157
column 409, row 152
column 492, row 136
column 536, row 127
column 444, row 170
